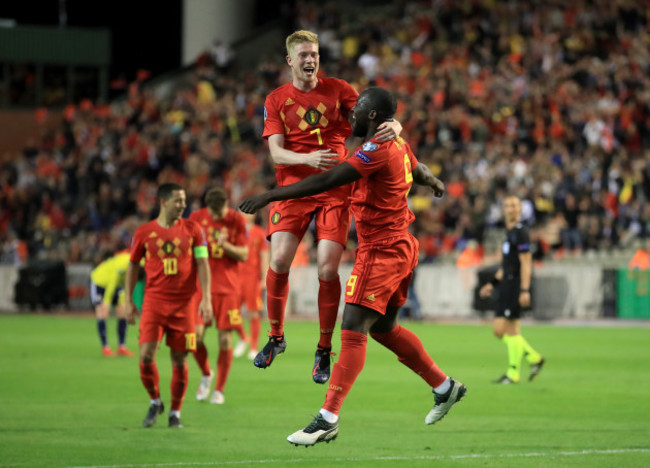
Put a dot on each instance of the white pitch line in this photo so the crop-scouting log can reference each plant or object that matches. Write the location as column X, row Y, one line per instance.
column 360, row 459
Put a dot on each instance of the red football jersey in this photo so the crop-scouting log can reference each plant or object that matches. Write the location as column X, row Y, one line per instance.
column 251, row 269
column 309, row 121
column 378, row 200
column 169, row 258
column 224, row 270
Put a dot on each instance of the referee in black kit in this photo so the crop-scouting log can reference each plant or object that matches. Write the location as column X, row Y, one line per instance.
column 513, row 280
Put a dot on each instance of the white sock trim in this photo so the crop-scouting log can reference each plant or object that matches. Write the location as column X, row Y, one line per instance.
column 443, row 387
column 329, row 416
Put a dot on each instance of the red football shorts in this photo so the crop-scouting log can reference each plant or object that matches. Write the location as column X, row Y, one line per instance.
column 226, row 311
column 176, row 322
column 382, row 273
column 332, row 218
column 251, row 293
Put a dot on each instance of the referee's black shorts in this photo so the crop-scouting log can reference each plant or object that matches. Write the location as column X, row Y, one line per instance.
column 508, row 302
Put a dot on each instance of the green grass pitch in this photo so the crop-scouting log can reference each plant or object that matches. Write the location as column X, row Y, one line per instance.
column 63, row 404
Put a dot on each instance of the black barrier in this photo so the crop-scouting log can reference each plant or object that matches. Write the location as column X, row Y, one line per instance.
column 42, row 284
column 480, row 304
column 609, row 293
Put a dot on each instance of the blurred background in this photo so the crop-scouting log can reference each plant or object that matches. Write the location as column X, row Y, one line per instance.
column 100, row 102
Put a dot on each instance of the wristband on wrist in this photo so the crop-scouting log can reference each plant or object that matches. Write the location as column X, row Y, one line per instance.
column 494, row 281
column 524, row 290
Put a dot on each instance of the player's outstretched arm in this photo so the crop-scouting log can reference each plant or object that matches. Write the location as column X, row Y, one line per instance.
column 339, row 175
column 422, row 176
column 322, row 159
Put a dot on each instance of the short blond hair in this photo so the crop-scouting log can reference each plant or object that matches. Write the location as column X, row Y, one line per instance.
column 300, row 37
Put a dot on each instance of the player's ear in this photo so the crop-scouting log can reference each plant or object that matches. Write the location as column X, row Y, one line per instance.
column 372, row 115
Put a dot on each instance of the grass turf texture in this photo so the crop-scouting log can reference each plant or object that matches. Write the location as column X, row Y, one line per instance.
column 64, row 404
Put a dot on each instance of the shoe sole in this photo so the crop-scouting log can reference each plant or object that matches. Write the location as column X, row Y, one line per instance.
column 322, row 438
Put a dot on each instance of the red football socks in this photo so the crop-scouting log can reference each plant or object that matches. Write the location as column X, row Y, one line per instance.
column 329, row 296
column 277, row 291
column 179, row 386
column 346, row 370
column 224, row 361
column 411, row 353
column 240, row 331
column 255, row 331
column 201, row 357
column 150, row 379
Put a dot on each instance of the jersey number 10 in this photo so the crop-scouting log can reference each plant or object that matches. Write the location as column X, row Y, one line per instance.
column 170, row 266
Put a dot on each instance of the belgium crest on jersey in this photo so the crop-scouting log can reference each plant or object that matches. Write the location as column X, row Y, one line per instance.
column 312, row 116
column 275, row 218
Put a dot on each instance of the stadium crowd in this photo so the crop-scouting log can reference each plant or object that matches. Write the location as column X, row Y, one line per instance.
column 546, row 100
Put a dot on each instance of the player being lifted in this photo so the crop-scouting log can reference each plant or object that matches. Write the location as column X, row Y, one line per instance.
column 175, row 252
column 382, row 174
column 306, row 125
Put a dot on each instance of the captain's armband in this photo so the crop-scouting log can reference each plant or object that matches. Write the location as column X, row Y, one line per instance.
column 201, row 251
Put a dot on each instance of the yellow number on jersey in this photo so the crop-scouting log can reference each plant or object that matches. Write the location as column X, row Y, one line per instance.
column 317, row 132
column 170, row 266
column 350, row 285
column 234, row 316
column 190, row 341
column 216, row 250
column 407, row 169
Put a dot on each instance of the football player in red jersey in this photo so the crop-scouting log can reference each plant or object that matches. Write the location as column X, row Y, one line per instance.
column 225, row 230
column 306, row 126
column 382, row 174
column 175, row 252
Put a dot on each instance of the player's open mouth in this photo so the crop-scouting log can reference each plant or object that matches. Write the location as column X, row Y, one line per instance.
column 309, row 70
